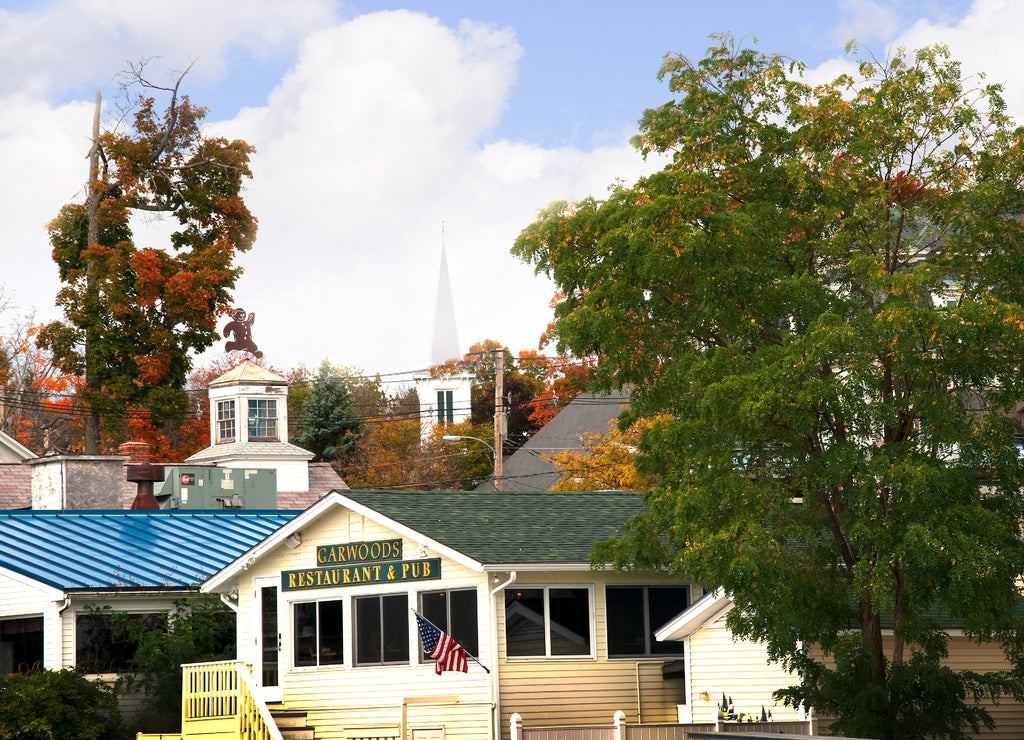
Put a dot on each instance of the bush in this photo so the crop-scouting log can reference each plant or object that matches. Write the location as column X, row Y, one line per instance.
column 58, row 705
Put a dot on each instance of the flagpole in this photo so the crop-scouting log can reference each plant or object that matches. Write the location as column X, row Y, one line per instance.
column 468, row 654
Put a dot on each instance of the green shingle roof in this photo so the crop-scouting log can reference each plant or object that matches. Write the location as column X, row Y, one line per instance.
column 498, row 528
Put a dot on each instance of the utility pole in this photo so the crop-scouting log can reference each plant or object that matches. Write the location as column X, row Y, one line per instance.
column 499, row 415
column 91, row 422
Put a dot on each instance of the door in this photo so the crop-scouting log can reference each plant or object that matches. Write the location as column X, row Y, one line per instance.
column 267, row 669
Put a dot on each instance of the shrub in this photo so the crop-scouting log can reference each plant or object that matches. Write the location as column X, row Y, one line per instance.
column 58, row 705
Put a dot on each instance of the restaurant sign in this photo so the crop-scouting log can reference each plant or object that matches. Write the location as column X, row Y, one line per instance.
column 360, row 563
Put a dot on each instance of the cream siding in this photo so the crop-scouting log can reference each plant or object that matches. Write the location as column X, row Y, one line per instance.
column 552, row 691
column 740, row 670
column 338, row 699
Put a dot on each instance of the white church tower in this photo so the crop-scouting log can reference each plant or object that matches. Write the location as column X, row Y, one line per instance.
column 443, row 400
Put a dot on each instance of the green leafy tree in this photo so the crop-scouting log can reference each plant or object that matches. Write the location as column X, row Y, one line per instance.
column 823, row 291
column 199, row 629
column 58, row 704
column 329, row 427
column 133, row 313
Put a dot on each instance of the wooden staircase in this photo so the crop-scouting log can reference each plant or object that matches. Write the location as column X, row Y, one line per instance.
column 291, row 723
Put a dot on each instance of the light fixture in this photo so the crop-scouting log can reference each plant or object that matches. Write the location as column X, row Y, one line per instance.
column 293, row 540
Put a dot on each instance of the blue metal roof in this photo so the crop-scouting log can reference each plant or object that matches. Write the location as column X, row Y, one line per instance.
column 72, row 550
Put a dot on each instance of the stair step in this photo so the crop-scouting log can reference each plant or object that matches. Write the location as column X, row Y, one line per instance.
column 298, row 733
column 292, row 724
column 289, row 718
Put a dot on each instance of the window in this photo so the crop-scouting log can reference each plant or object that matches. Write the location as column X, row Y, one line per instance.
column 454, row 613
column 635, row 612
column 21, row 645
column 263, row 418
column 317, row 633
column 547, row 622
column 445, row 407
column 225, row 421
column 104, row 643
column 382, row 629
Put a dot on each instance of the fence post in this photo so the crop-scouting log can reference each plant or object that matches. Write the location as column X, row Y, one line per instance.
column 515, row 725
column 620, row 724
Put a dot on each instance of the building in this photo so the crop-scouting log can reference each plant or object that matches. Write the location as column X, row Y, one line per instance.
column 249, row 427
column 57, row 567
column 259, row 448
column 506, row 574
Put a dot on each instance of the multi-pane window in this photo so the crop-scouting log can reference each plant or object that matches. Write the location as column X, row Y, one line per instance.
column 445, row 407
column 263, row 418
column 636, row 612
column 106, row 643
column 381, row 629
column 225, row 421
column 454, row 613
column 21, row 645
column 317, row 631
column 549, row 622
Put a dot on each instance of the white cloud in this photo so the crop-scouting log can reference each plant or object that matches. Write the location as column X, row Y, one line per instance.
column 43, row 149
column 985, row 40
column 79, row 42
column 381, row 130
column 865, row 21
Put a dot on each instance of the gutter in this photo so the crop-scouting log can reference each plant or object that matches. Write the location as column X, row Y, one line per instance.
column 495, row 683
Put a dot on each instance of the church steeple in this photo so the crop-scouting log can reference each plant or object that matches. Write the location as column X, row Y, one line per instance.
column 443, row 400
column 446, row 339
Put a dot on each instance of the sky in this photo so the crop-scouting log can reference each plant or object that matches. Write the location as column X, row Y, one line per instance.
column 386, row 129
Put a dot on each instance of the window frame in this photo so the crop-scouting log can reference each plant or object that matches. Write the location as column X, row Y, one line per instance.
column 23, row 651
column 546, row 595
column 445, row 625
column 318, row 636
column 445, row 407
column 226, row 422
column 261, row 419
column 112, row 658
column 647, row 627
column 382, row 625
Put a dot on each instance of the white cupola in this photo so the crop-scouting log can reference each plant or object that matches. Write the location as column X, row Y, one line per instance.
column 249, row 426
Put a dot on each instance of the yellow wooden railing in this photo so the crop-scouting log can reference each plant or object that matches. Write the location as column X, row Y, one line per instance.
column 219, row 702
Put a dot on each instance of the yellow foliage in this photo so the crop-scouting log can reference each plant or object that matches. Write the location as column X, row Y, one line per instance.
column 603, row 462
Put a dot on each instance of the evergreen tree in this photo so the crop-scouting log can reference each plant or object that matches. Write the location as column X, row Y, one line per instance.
column 329, row 427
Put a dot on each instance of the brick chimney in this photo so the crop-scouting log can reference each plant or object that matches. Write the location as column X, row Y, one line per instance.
column 137, row 452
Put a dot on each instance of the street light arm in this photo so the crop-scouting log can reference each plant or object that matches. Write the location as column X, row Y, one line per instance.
column 456, row 438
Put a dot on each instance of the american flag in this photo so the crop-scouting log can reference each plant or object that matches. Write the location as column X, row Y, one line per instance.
column 448, row 655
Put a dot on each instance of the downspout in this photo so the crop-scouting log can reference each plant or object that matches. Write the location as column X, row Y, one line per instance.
column 58, row 658
column 226, row 600
column 495, row 692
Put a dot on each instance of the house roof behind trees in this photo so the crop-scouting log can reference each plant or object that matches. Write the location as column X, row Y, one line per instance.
column 589, row 414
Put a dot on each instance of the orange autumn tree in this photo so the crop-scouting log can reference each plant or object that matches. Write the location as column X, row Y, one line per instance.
column 564, row 378
column 134, row 312
column 37, row 401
